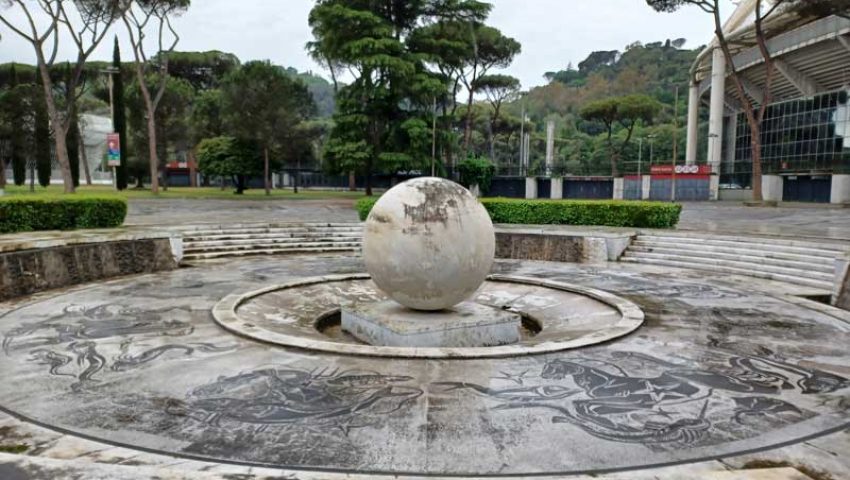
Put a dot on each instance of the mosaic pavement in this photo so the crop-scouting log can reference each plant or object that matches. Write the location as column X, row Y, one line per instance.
column 716, row 370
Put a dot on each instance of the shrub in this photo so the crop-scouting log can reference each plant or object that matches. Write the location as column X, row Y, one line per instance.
column 609, row 213
column 476, row 171
column 60, row 213
column 364, row 206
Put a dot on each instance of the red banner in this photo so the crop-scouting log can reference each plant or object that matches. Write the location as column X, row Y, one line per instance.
column 680, row 170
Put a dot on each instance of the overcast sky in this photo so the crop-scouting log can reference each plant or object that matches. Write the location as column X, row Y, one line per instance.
column 552, row 32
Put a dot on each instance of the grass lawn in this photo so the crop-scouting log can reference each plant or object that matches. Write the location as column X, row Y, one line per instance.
column 188, row 192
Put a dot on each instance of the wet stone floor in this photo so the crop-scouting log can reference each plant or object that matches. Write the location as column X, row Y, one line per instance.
column 716, row 370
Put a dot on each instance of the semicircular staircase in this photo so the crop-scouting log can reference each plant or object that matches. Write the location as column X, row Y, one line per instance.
column 204, row 242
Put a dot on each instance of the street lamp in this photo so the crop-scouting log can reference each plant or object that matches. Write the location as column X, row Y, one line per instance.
column 651, row 138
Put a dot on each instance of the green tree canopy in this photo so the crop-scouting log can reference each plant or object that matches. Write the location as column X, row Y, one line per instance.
column 230, row 157
column 626, row 112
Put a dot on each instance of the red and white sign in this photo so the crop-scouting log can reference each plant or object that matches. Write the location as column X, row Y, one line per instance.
column 680, row 170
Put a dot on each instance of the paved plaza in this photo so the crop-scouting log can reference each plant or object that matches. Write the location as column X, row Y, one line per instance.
column 717, row 370
column 723, row 217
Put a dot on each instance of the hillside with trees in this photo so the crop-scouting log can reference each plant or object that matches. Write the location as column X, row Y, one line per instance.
column 653, row 70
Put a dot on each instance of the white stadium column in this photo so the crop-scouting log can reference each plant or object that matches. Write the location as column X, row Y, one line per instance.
column 693, row 124
column 715, row 118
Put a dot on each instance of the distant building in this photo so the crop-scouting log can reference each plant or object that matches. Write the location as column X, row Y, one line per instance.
column 806, row 132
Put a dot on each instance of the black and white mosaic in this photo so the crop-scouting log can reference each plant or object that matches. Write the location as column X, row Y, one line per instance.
column 714, row 371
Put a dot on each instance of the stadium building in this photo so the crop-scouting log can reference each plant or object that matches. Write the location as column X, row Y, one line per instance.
column 806, row 131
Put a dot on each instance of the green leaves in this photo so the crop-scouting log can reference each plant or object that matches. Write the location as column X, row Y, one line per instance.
column 228, row 156
column 62, row 213
column 610, row 213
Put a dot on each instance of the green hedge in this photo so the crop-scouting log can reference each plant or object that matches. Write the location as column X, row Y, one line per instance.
column 609, row 213
column 22, row 214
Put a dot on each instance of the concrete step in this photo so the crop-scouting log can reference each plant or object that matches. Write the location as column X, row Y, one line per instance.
column 274, row 240
column 767, row 243
column 267, row 251
column 696, row 245
column 815, row 264
column 791, row 242
column 744, row 265
column 265, row 235
column 248, row 226
column 272, row 246
column 717, row 268
column 709, row 251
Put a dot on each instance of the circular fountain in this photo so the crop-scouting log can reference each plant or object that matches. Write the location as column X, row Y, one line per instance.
column 429, row 247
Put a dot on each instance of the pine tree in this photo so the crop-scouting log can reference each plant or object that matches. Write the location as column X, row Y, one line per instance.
column 119, row 120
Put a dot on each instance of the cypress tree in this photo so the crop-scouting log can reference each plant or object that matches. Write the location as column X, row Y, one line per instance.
column 72, row 138
column 41, row 136
column 119, row 120
column 18, row 140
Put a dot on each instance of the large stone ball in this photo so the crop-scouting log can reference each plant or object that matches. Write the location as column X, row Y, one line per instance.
column 428, row 243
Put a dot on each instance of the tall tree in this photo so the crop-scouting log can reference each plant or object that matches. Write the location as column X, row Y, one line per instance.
column 41, row 141
column 16, row 107
column 754, row 116
column 488, row 49
column 262, row 103
column 171, row 121
column 46, row 21
column 137, row 18
column 624, row 112
column 382, row 46
column 498, row 89
column 72, row 137
column 365, row 37
column 119, row 115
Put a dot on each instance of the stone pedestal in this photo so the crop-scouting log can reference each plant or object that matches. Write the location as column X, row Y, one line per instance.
column 530, row 188
column 840, row 189
column 645, row 186
column 468, row 324
column 619, row 187
column 714, row 187
column 771, row 188
column 557, row 190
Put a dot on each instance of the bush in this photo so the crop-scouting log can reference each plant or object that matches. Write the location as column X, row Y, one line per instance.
column 364, row 206
column 476, row 171
column 60, row 213
column 609, row 213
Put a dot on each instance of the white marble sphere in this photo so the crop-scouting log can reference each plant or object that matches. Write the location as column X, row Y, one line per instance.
column 428, row 243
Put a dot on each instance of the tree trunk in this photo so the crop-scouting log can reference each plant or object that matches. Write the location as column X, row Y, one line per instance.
column 297, row 175
column 492, row 140
column 57, row 125
column 352, row 181
column 467, row 133
column 153, row 158
column 266, row 171
column 84, row 158
column 240, row 184
column 755, row 143
column 193, row 176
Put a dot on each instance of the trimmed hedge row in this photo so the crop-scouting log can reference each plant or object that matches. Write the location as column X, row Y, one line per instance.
column 609, row 213
column 20, row 214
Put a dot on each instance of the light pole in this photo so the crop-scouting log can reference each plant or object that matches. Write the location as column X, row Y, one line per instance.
column 675, row 143
column 650, row 138
column 640, row 154
column 112, row 71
